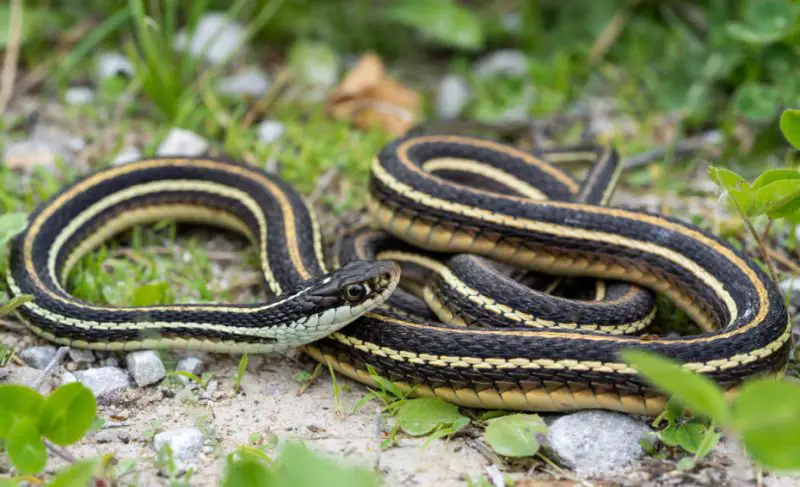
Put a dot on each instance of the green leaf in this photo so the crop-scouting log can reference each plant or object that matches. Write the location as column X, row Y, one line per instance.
column 5, row 482
column 251, row 472
column 710, row 440
column 419, row 417
column 689, row 436
column 68, row 413
column 18, row 402
column 240, row 372
column 152, row 294
column 442, row 20
column 774, row 175
column 76, row 475
column 766, row 413
column 385, row 384
column 694, row 391
column 790, row 126
column 515, row 435
column 301, row 466
column 25, row 447
column 11, row 225
column 765, row 21
column 15, row 303
column 756, row 102
column 778, row 199
column 738, row 189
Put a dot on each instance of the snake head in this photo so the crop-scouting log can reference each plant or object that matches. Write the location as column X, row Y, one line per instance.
column 336, row 299
column 359, row 285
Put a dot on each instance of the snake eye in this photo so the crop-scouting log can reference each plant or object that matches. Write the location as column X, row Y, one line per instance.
column 355, row 292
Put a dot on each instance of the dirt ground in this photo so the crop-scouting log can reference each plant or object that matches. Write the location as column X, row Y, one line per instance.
column 271, row 403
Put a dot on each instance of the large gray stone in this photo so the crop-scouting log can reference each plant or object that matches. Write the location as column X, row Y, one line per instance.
column 182, row 142
column 38, row 357
column 452, row 96
column 145, row 367
column 81, row 355
column 269, row 131
column 251, row 81
column 185, row 443
column 22, row 375
column 107, row 383
column 596, row 442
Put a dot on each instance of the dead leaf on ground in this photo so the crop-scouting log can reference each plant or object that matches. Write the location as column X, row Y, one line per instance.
column 371, row 99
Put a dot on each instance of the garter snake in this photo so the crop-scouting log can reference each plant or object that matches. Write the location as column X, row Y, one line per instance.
column 746, row 325
column 530, row 368
column 309, row 304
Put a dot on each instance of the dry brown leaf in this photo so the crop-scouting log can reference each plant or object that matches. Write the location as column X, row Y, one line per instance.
column 371, row 99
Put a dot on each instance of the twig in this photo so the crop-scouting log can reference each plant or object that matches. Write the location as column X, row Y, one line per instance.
column 54, row 362
column 495, row 475
column 60, row 452
column 12, row 54
column 682, row 148
column 782, row 259
column 269, row 97
column 12, row 325
column 322, row 184
column 610, row 34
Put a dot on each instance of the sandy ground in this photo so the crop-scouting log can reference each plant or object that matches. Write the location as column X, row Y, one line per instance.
column 270, row 403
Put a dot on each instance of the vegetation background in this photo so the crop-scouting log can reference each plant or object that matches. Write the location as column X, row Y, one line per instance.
column 313, row 89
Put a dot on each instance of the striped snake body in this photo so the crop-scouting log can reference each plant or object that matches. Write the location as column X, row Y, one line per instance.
column 431, row 215
column 747, row 330
column 310, row 302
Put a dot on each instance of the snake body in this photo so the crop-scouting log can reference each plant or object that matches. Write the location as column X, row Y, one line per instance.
column 310, row 302
column 528, row 214
column 747, row 330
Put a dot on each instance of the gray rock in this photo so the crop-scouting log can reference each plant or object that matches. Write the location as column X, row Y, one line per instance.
column 452, row 96
column 216, row 38
column 127, row 154
column 145, row 367
column 111, row 64
column 107, row 383
column 44, row 148
column 38, row 357
column 251, row 81
column 193, row 365
column 508, row 62
column 182, row 142
column 81, row 355
column 22, row 375
column 269, row 131
column 596, row 442
column 185, row 443
column 79, row 95
column 791, row 285
column 59, row 137
column 110, row 362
